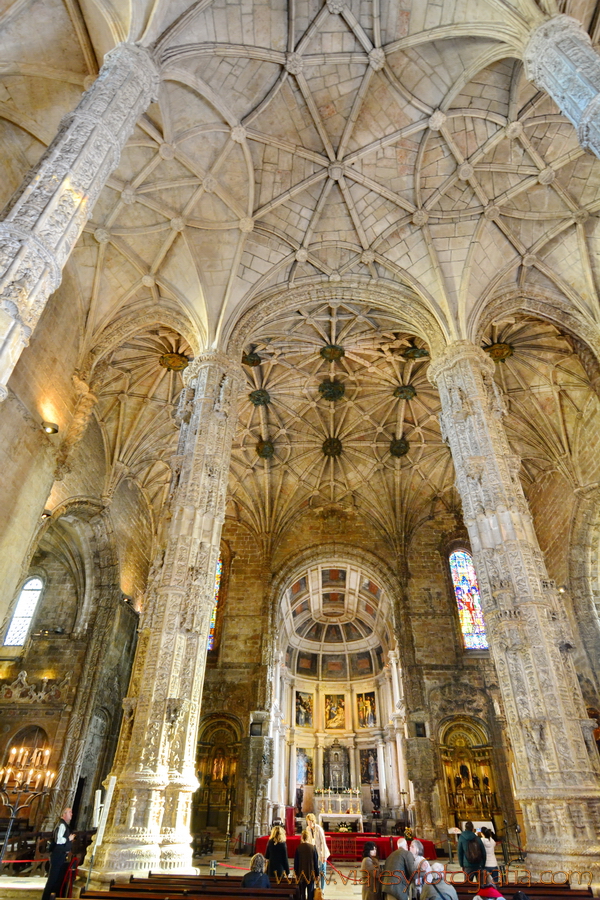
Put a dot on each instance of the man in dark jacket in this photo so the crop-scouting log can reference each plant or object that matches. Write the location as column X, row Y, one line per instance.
column 398, row 870
column 62, row 837
column 306, row 867
column 471, row 852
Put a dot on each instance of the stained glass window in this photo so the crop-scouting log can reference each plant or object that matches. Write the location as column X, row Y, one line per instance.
column 23, row 614
column 213, row 615
column 468, row 601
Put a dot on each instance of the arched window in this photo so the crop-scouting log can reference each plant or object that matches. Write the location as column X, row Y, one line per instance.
column 466, row 591
column 213, row 617
column 24, row 612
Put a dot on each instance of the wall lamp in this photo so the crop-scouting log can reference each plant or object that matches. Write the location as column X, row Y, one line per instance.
column 50, row 427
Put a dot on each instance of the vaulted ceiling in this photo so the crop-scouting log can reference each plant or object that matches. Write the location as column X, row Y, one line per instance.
column 357, row 146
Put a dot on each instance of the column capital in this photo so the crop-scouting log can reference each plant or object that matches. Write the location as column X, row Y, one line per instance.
column 553, row 29
column 455, row 353
column 143, row 58
column 210, row 358
column 559, row 58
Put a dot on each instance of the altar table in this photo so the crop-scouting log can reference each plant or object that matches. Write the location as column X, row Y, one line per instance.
column 341, row 846
column 341, row 817
column 349, row 846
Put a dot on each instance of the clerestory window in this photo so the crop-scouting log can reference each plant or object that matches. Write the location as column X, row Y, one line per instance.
column 468, row 600
column 213, row 618
column 20, row 623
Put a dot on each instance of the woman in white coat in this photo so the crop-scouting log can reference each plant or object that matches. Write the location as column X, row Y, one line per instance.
column 316, row 836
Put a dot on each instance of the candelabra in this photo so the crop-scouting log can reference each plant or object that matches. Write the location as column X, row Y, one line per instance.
column 25, row 776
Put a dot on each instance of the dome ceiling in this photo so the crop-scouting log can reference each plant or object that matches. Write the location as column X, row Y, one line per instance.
column 335, row 621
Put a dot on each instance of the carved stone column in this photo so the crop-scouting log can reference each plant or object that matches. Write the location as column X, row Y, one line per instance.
column 382, row 772
column 155, row 764
column 559, row 59
column 291, row 768
column 556, row 776
column 44, row 219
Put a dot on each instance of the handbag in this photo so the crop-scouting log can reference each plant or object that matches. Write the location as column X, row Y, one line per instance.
column 318, row 894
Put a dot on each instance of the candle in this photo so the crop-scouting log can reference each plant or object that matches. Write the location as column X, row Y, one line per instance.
column 30, row 779
column 7, row 775
column 12, row 755
column 37, row 780
column 96, row 814
column 51, row 779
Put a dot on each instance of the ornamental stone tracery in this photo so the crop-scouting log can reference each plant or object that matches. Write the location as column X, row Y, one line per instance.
column 341, row 448
column 527, row 626
column 307, row 185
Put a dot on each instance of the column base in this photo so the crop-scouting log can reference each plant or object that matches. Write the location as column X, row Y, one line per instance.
column 119, row 863
column 557, row 867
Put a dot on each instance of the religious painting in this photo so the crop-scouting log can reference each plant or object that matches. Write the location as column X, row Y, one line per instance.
column 304, row 709
column 335, row 711
column 369, row 772
column 333, row 666
column 466, row 591
column 304, row 766
column 367, row 712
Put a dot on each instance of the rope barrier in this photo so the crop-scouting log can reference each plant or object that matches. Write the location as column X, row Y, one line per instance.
column 11, row 861
column 225, row 866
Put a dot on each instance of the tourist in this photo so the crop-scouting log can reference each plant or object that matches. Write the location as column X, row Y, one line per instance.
column 471, row 852
column 306, row 867
column 421, row 865
column 62, row 838
column 397, row 873
column 276, row 853
column 371, row 886
column 256, row 877
column 436, row 887
column 316, row 836
column 489, row 842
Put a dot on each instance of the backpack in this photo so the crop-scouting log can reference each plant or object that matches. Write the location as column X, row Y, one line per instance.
column 473, row 852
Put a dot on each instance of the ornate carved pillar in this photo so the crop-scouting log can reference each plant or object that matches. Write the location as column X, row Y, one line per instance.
column 382, row 772
column 556, row 777
column 319, row 760
column 559, row 59
column 354, row 775
column 44, row 219
column 292, row 769
column 155, row 764
column 396, row 689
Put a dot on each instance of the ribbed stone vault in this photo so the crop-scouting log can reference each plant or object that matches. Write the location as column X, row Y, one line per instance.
column 389, row 460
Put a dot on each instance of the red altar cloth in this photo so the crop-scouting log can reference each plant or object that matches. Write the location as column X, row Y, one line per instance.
column 350, row 846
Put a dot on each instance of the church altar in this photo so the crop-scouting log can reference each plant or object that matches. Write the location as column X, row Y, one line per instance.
column 341, row 846
column 333, row 803
column 341, row 817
